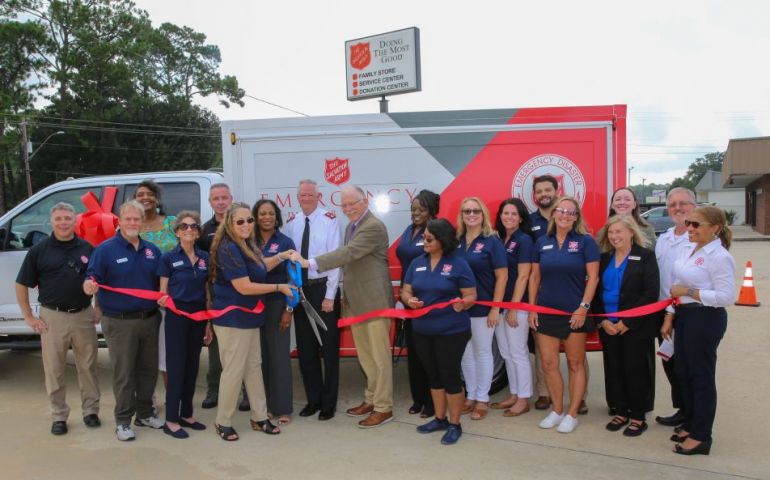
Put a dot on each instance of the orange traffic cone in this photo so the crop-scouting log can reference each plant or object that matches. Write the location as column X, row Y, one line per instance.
column 748, row 295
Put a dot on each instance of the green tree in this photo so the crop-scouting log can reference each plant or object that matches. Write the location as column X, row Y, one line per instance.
column 696, row 170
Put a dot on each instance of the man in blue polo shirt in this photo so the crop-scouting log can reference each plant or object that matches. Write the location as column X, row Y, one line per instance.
column 130, row 325
column 544, row 188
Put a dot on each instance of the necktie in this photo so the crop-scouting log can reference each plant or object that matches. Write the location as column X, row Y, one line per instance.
column 351, row 231
column 305, row 248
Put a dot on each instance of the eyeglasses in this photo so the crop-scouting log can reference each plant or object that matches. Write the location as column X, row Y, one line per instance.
column 564, row 211
column 191, row 226
column 693, row 224
column 471, row 211
column 348, row 205
column 241, row 221
column 428, row 239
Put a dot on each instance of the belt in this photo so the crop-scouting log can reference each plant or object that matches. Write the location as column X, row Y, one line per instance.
column 65, row 309
column 133, row 315
column 690, row 305
column 310, row 282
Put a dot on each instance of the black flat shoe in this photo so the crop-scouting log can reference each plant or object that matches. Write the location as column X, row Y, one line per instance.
column 326, row 415
column 635, row 429
column 415, row 409
column 672, row 421
column 211, row 400
column 309, row 410
column 92, row 420
column 244, row 406
column 178, row 434
column 679, row 438
column 617, row 423
column 59, row 428
column 427, row 412
column 194, row 425
column 704, row 448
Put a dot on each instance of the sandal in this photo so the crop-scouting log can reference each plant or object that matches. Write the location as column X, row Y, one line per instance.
column 284, row 419
column 502, row 405
column 228, row 434
column 479, row 411
column 468, row 407
column 635, row 429
column 617, row 423
column 415, row 409
column 265, row 426
column 509, row 412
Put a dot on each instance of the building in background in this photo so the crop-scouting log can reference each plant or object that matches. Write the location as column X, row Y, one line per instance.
column 710, row 189
column 747, row 168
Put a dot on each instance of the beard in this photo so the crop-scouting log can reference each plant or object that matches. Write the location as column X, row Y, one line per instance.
column 545, row 202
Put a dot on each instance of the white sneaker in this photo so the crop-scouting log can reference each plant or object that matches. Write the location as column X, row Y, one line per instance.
column 152, row 422
column 568, row 424
column 553, row 419
column 125, row 433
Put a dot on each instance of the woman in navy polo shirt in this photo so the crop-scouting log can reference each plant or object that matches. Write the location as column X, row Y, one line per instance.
column 239, row 274
column 276, row 338
column 565, row 273
column 440, row 336
column 484, row 252
column 183, row 273
column 513, row 225
column 410, row 246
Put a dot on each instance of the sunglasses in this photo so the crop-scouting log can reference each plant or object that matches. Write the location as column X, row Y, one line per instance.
column 690, row 223
column 191, row 226
column 428, row 239
column 471, row 211
column 564, row 211
column 241, row 221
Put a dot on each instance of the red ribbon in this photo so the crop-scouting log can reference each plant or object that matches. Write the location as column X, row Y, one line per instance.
column 97, row 223
column 200, row 316
column 419, row 312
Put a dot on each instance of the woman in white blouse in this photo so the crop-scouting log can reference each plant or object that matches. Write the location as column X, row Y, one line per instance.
column 704, row 283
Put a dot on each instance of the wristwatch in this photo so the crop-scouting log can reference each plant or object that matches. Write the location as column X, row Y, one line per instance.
column 586, row 305
column 289, row 309
column 691, row 292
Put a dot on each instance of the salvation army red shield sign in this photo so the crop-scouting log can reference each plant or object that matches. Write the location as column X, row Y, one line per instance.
column 360, row 55
column 337, row 170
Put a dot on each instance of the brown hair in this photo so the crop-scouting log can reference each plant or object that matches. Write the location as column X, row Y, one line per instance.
column 225, row 233
column 716, row 216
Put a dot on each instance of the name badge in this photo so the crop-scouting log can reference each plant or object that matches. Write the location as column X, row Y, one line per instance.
column 536, row 228
column 419, row 244
column 634, row 257
column 121, row 260
column 177, row 264
column 420, row 269
column 547, row 247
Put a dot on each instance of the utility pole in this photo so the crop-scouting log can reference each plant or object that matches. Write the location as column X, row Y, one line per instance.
column 629, row 176
column 25, row 149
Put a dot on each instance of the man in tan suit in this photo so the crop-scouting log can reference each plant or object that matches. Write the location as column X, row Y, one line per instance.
column 366, row 287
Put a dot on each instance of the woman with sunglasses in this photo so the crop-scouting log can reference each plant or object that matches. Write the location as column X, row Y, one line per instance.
column 183, row 274
column 704, row 283
column 484, row 252
column 239, row 272
column 411, row 245
column 276, row 338
column 513, row 225
column 565, row 273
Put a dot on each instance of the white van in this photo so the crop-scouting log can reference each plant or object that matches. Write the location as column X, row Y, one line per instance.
column 28, row 222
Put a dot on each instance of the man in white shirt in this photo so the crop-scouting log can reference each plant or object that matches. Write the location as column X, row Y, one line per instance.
column 680, row 202
column 316, row 231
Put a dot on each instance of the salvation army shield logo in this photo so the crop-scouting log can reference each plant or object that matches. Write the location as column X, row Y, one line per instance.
column 273, row 248
column 360, row 55
column 700, row 261
column 201, row 264
column 478, row 247
column 446, row 269
column 572, row 247
column 337, row 170
column 568, row 175
column 149, row 254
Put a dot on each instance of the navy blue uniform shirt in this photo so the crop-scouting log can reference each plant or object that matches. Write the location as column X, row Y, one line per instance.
column 518, row 249
column 441, row 284
column 116, row 263
column 539, row 224
column 410, row 248
column 277, row 243
column 232, row 264
column 563, row 272
column 484, row 255
column 186, row 282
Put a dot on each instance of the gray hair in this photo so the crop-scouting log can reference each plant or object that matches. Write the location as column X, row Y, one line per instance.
column 62, row 206
column 354, row 188
column 129, row 205
column 219, row 185
column 684, row 190
column 186, row 214
column 308, row 181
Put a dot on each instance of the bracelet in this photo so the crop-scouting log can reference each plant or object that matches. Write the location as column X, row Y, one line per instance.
column 276, row 287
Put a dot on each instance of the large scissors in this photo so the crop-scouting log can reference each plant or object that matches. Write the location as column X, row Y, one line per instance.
column 298, row 296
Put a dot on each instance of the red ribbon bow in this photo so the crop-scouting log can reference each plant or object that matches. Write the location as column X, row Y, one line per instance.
column 97, row 223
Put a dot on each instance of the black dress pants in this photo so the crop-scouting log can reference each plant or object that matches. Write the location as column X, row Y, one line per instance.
column 418, row 378
column 184, row 339
column 629, row 373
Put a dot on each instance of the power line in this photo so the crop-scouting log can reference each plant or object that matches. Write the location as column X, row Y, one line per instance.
column 105, row 147
column 275, row 104
column 34, row 116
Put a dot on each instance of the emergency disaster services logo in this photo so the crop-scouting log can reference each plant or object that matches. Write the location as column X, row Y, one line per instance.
column 569, row 176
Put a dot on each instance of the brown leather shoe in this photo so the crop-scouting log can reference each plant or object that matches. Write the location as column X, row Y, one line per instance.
column 375, row 419
column 542, row 403
column 361, row 410
column 510, row 413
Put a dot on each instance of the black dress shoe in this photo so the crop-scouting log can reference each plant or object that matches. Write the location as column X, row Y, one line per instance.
column 92, row 420
column 309, row 410
column 244, row 406
column 59, row 428
column 325, row 415
column 673, row 421
column 211, row 400
column 704, row 448
column 635, row 429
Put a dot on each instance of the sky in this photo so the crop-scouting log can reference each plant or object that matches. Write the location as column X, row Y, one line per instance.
column 694, row 74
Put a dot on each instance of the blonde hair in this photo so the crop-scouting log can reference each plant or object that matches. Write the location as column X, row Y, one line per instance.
column 580, row 225
column 630, row 223
column 486, row 223
column 226, row 233
column 716, row 216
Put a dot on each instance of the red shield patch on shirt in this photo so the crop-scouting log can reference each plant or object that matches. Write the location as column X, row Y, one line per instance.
column 273, row 248
column 84, row 259
column 479, row 247
column 148, row 253
column 446, row 269
column 700, row 261
column 202, row 264
column 511, row 246
column 573, row 246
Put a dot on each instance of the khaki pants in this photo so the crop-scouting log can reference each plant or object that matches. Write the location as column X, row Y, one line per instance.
column 541, row 387
column 372, row 339
column 64, row 330
column 241, row 355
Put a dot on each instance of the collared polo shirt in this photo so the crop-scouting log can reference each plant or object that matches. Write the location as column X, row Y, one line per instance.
column 539, row 224
column 277, row 243
column 232, row 263
column 484, row 255
column 563, row 271
column 518, row 249
column 440, row 284
column 186, row 281
column 410, row 248
column 208, row 231
column 116, row 263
